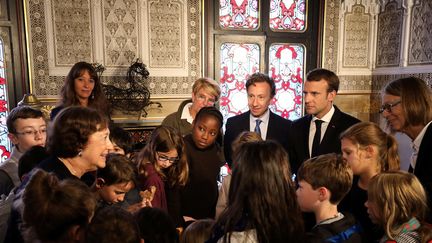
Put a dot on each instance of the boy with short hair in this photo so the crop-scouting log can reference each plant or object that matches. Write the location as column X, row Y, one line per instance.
column 27, row 128
column 323, row 183
column 114, row 180
column 121, row 140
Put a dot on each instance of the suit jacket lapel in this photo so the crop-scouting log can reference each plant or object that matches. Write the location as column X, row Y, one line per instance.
column 271, row 130
column 245, row 120
column 306, row 127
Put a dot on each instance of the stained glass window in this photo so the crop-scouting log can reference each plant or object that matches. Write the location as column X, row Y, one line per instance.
column 286, row 65
column 239, row 14
column 237, row 62
column 5, row 146
column 287, row 15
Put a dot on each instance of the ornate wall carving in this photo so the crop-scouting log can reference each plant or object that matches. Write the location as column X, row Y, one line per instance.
column 389, row 36
column 72, row 32
column 356, row 38
column 355, row 83
column 165, row 34
column 420, row 48
column 120, row 25
column 331, row 28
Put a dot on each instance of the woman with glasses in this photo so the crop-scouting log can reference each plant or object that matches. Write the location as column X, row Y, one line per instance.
column 162, row 165
column 205, row 92
column 407, row 108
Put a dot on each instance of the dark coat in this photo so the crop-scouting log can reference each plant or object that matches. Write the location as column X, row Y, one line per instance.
column 278, row 130
column 423, row 168
column 299, row 137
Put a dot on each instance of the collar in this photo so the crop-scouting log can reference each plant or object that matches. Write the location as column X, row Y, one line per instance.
column 327, row 117
column 264, row 118
column 186, row 114
column 333, row 219
column 15, row 154
column 417, row 141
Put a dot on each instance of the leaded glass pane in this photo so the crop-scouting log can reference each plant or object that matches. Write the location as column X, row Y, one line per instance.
column 239, row 14
column 5, row 146
column 286, row 67
column 238, row 61
column 287, row 15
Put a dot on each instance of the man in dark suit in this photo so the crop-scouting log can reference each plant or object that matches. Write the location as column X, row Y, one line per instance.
column 319, row 91
column 260, row 91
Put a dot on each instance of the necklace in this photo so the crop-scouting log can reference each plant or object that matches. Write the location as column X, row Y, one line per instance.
column 69, row 166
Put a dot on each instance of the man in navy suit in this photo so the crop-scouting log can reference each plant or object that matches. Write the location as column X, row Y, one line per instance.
column 319, row 92
column 260, row 91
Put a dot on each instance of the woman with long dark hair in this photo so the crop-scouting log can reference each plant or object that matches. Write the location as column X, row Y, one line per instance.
column 82, row 87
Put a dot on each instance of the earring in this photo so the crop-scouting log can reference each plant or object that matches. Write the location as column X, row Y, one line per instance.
column 80, row 153
column 92, row 96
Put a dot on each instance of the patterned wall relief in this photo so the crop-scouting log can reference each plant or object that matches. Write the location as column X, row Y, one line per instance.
column 72, row 31
column 331, row 28
column 356, row 38
column 379, row 81
column 166, row 40
column 186, row 65
column 420, row 48
column 355, row 83
column 165, row 34
column 389, row 36
column 120, row 21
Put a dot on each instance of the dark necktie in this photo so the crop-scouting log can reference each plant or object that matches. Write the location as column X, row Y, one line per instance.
column 257, row 126
column 317, row 138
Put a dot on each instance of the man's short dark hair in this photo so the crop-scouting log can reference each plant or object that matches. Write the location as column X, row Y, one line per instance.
column 330, row 77
column 259, row 78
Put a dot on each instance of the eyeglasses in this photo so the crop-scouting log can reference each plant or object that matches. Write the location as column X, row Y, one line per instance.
column 388, row 107
column 164, row 158
column 32, row 132
column 210, row 101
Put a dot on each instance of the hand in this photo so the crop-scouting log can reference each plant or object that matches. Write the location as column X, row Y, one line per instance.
column 137, row 206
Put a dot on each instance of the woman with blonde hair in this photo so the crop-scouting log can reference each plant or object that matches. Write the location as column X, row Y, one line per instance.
column 205, row 93
column 369, row 151
column 397, row 202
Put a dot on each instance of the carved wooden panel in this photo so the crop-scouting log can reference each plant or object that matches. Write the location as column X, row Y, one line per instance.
column 356, row 38
column 420, row 48
column 389, row 36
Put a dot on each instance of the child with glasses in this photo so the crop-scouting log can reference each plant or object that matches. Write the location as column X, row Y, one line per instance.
column 205, row 158
column 27, row 128
column 162, row 167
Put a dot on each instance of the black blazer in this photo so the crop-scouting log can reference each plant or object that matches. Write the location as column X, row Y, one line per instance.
column 277, row 130
column 423, row 168
column 299, row 137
